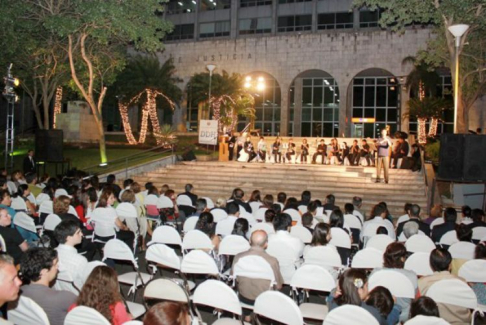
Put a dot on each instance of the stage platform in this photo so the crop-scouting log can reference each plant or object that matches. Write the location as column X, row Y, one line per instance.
column 218, row 179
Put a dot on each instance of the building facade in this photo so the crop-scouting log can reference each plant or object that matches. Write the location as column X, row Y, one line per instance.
column 329, row 70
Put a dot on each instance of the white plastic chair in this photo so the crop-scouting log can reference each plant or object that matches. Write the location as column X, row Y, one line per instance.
column 449, row 238
column 133, row 322
column 165, row 289
column 184, row 200
column 418, row 243
column 350, row 315
column 260, row 214
column 426, row 320
column 340, row 238
column 294, row 214
column 166, row 235
column 225, row 226
column 325, row 256
column 18, row 204
column 12, row 188
column 403, row 218
column 196, row 239
column 302, row 233
column 368, row 258
column 352, row 221
column 82, row 315
column 190, row 224
column 436, row 222
column 22, row 220
column 419, row 262
column 474, row 271
column 3, row 246
column 42, row 197
column 103, row 225
column 73, row 211
column 128, row 213
column 164, row 202
column 117, row 250
column 51, row 222
column 26, row 311
column 255, row 206
column 46, row 207
column 209, row 202
column 313, row 277
column 462, row 250
column 59, row 192
column 379, row 242
column 285, row 253
column 398, row 283
column 89, row 268
column 218, row 214
column 453, row 292
column 199, row 262
column 302, row 208
column 268, row 228
column 479, row 233
column 277, row 306
column 218, row 295
column 232, row 245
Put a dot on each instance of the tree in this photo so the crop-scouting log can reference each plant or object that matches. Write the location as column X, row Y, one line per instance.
column 228, row 97
column 398, row 15
column 146, row 80
column 423, row 80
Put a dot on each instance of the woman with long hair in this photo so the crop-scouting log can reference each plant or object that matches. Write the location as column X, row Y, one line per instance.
column 241, row 227
column 206, row 224
column 167, row 313
column 101, row 291
column 23, row 192
column 255, row 196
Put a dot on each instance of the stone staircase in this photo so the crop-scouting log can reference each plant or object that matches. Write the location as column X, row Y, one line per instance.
column 218, row 179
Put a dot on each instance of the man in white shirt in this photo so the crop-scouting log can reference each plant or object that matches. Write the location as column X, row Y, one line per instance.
column 9, row 283
column 370, row 226
column 68, row 234
column 225, row 226
column 284, row 247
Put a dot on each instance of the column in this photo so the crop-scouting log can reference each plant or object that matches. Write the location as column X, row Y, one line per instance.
column 314, row 15
column 274, row 16
column 298, row 107
column 403, row 122
column 284, row 110
column 234, row 19
column 344, row 117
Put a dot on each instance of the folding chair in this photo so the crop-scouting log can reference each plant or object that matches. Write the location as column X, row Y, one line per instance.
column 150, row 203
column 449, row 238
column 277, row 306
column 350, row 315
column 184, row 203
column 255, row 205
column 220, row 296
column 3, row 246
column 42, row 197
column 436, row 222
column 190, row 224
column 340, row 238
column 12, row 188
column 284, row 252
column 462, row 250
column 45, row 209
column 260, row 214
column 25, row 222
column 268, row 228
column 166, row 235
column 129, row 213
column 325, row 256
column 368, row 258
column 473, row 271
column 295, row 215
column 218, row 214
column 352, row 221
column 479, row 234
column 302, row 233
column 403, row 218
column 302, row 208
column 209, row 202
column 73, row 211
column 312, row 277
column 426, row 320
column 418, row 243
column 419, row 262
column 18, row 204
column 399, row 284
column 225, row 226
column 162, row 289
column 232, row 245
column 26, row 311
column 59, row 192
column 249, row 217
column 115, row 249
column 199, row 262
column 89, row 268
column 453, row 292
column 196, row 239
column 82, row 315
column 103, row 227
column 379, row 242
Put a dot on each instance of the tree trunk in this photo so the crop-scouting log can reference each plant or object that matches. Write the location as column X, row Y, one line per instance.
column 433, row 127
column 101, row 133
column 422, row 134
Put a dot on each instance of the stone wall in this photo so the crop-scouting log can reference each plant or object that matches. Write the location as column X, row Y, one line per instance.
column 78, row 124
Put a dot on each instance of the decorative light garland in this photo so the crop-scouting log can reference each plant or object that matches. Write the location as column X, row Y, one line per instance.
column 422, row 134
column 433, row 126
column 57, row 105
column 126, row 123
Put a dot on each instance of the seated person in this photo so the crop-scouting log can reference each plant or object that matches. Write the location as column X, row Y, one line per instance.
column 321, row 151
column 9, row 284
column 16, row 244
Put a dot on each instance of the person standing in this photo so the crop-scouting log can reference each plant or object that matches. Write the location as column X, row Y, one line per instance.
column 383, row 146
column 231, row 145
column 29, row 162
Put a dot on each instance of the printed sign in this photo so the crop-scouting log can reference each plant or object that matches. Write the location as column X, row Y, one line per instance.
column 208, row 132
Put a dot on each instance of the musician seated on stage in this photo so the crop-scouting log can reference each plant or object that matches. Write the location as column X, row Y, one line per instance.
column 290, row 150
column 321, row 151
column 365, row 151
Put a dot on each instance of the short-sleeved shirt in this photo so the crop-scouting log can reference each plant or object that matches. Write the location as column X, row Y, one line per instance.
column 13, row 240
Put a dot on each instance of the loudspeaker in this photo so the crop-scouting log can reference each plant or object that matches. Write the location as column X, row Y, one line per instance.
column 189, row 156
column 451, row 157
column 475, row 158
column 49, row 145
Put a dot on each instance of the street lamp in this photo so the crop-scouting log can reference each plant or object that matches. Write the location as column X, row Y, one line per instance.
column 457, row 31
column 210, row 67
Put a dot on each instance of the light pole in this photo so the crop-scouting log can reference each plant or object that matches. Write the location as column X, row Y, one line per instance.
column 457, row 31
column 210, row 67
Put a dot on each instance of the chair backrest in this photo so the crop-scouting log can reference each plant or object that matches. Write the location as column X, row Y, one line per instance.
column 368, row 258
column 449, row 238
column 89, row 268
column 199, row 262
column 209, row 202
column 277, row 306
column 436, row 222
column 18, row 204
column 294, row 214
column 217, row 294
column 59, row 192
column 12, row 188
column 126, row 210
column 46, row 206
column 83, row 315
column 426, row 320
column 453, row 292
column 474, row 271
column 419, row 262
column 165, row 289
column 3, row 246
column 379, row 242
column 260, row 214
column 225, row 226
column 479, row 233
column 399, row 284
column 302, row 208
column 26, row 311
column 51, row 222
column 350, row 315
column 419, row 243
column 218, row 214
column 268, row 228
column 118, row 250
column 352, row 221
column 402, row 238
column 24, row 221
column 166, row 235
column 403, row 218
column 190, row 224
column 151, row 199
column 254, row 267
column 196, row 239
column 163, row 255
column 326, row 256
column 255, row 206
column 73, row 211
column 42, row 197
column 184, row 200
column 104, row 226
column 462, row 250
column 340, row 238
column 313, row 277
column 232, row 245
column 164, row 202
column 302, row 233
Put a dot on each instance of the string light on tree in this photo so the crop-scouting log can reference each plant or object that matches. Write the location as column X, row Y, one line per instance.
column 57, row 105
column 422, row 134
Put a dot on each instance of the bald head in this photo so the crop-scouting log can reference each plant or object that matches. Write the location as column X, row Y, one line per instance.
column 259, row 238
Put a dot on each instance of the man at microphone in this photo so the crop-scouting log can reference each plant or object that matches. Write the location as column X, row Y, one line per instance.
column 383, row 146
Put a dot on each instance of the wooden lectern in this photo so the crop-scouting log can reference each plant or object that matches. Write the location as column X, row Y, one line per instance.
column 223, row 148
